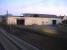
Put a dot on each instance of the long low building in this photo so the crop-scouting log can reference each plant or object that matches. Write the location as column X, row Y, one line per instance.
column 34, row 19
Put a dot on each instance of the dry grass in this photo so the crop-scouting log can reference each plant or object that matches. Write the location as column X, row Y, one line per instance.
column 47, row 31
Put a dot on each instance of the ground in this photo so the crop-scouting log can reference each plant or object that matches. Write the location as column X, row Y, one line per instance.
column 42, row 41
column 44, row 29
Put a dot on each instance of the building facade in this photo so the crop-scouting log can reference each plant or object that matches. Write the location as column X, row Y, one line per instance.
column 34, row 19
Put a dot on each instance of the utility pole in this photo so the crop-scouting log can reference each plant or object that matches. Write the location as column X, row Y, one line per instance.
column 7, row 13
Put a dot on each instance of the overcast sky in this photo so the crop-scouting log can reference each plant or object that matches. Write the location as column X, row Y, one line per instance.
column 18, row 7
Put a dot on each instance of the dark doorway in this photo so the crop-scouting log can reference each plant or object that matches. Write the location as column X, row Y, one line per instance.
column 54, row 22
column 20, row 21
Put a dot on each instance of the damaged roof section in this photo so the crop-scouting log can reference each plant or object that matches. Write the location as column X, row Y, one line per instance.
column 40, row 15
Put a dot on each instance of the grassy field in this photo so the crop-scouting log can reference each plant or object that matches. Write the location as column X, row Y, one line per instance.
column 47, row 31
column 44, row 30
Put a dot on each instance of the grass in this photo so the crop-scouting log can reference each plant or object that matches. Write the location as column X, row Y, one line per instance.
column 41, row 30
column 47, row 31
column 62, row 28
column 44, row 30
column 36, row 29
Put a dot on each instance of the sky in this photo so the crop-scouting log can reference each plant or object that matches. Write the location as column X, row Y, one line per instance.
column 18, row 7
